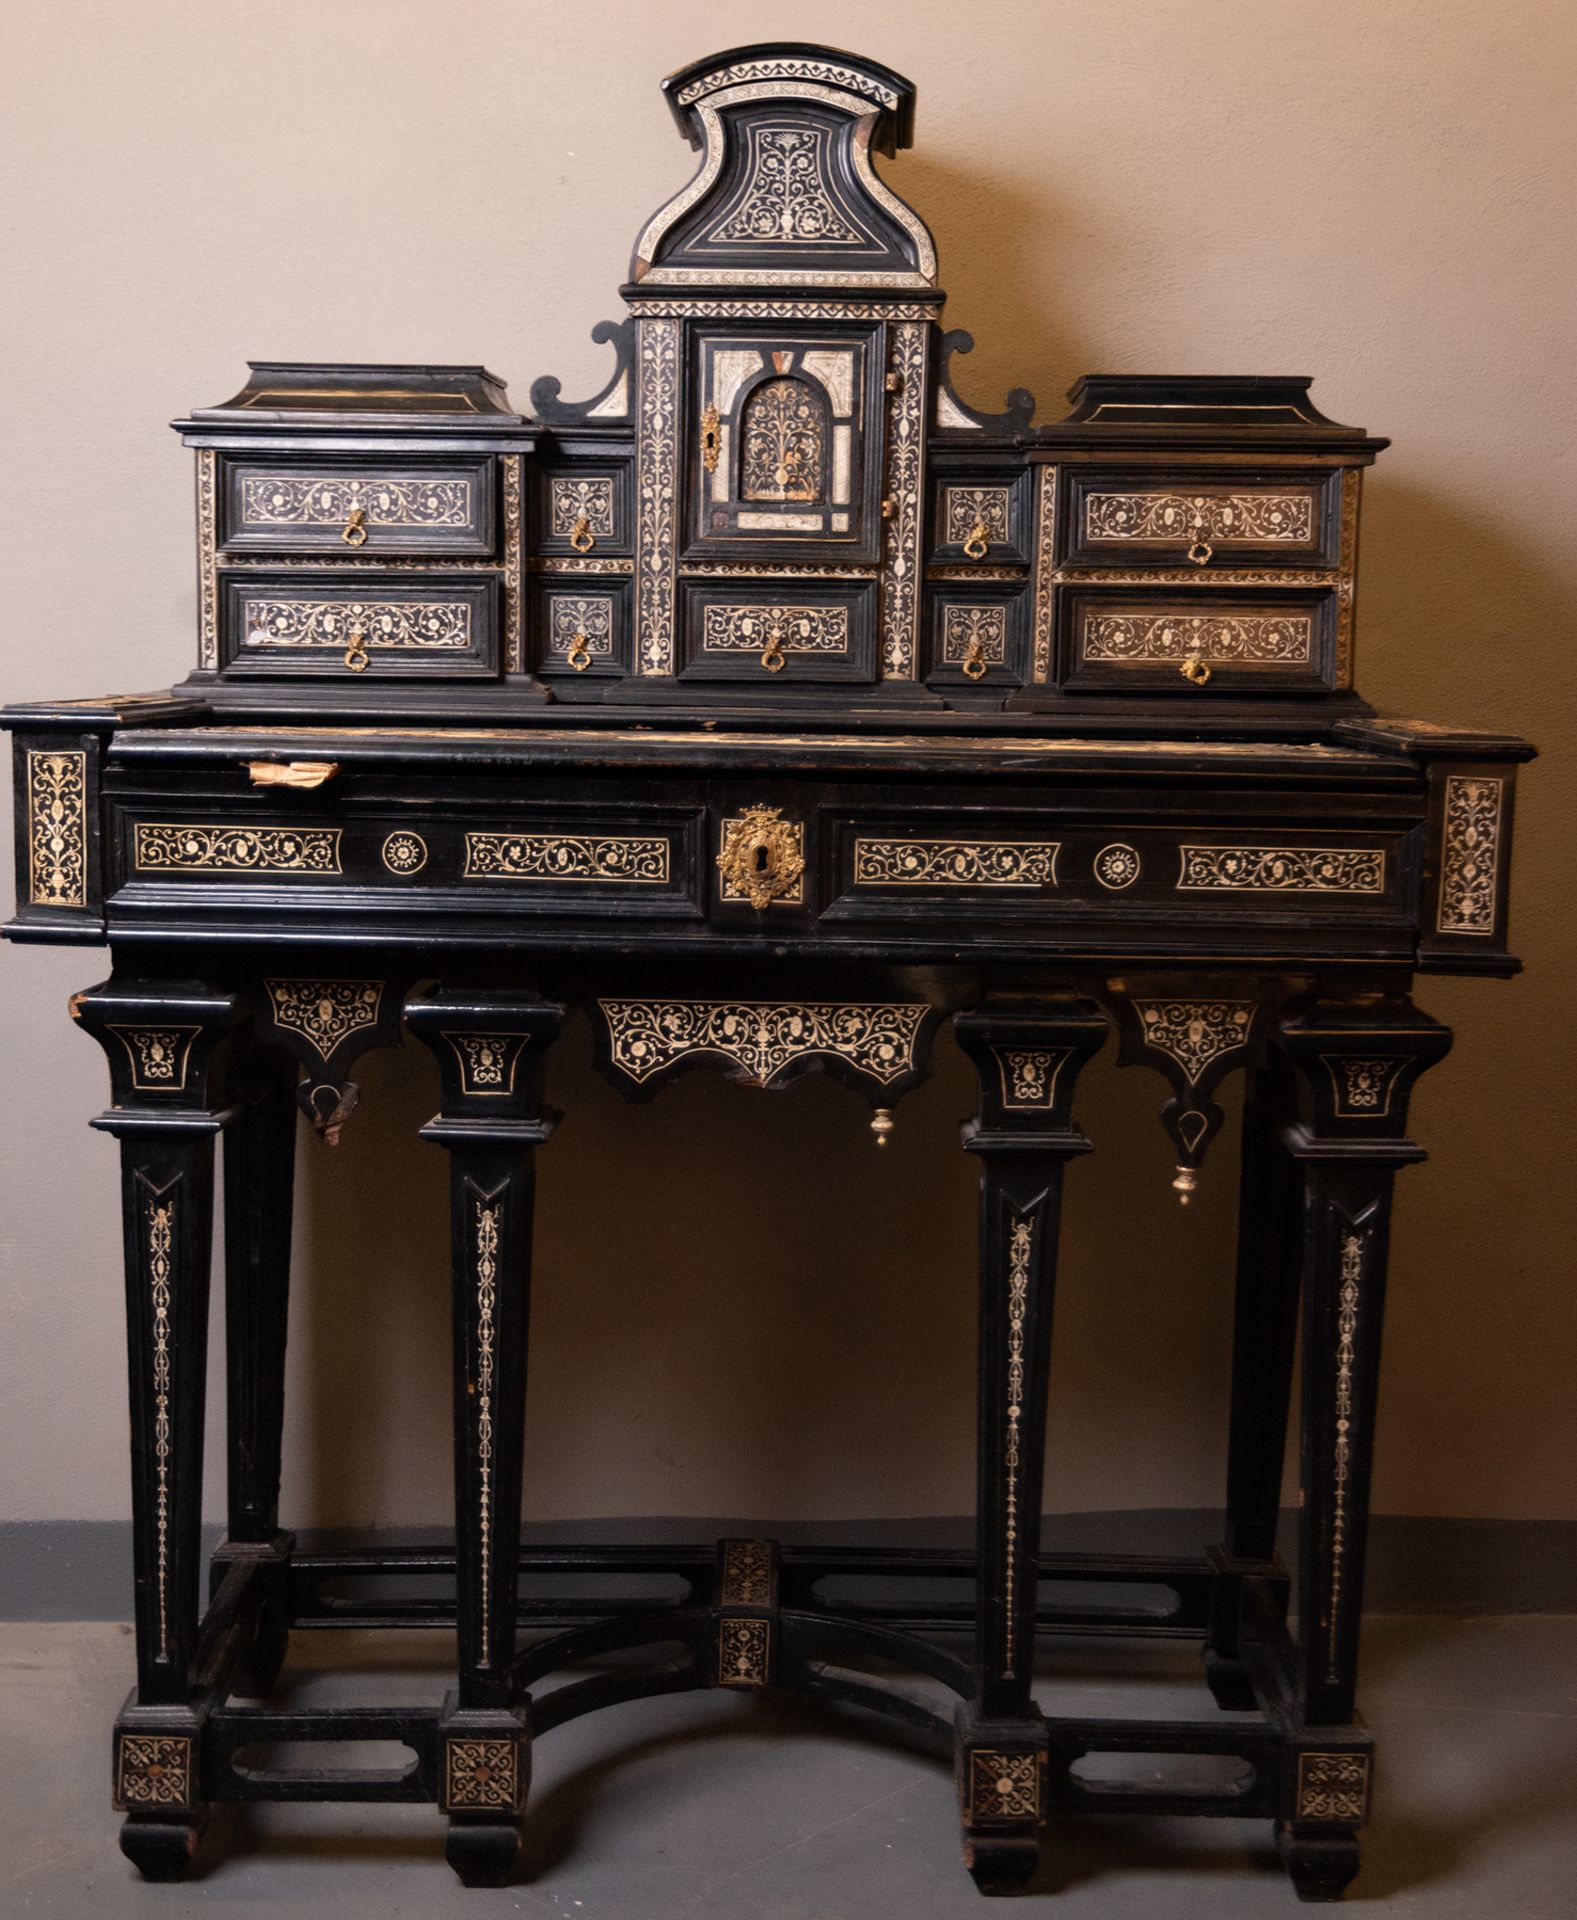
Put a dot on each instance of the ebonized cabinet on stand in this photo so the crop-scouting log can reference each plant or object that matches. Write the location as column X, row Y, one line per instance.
column 772, row 707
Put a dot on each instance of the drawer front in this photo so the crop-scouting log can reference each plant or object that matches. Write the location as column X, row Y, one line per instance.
column 977, row 636
column 981, row 518
column 582, row 509
column 582, row 628
column 357, row 508
column 366, row 625
column 779, row 630
column 1055, row 867
column 1169, row 640
column 546, row 859
column 1224, row 521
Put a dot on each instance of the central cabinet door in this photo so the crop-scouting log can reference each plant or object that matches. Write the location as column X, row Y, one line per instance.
column 785, row 445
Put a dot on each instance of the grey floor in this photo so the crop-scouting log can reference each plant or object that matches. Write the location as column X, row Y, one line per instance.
column 729, row 1808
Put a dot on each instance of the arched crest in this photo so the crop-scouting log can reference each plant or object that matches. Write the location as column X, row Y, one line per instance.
column 786, row 195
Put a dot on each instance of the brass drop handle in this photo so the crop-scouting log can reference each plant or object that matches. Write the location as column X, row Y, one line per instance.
column 581, row 537
column 975, row 663
column 1195, row 670
column 579, row 655
column 977, row 541
column 772, row 656
column 354, row 533
column 710, row 439
column 761, row 856
column 1201, row 553
column 291, row 773
column 357, row 657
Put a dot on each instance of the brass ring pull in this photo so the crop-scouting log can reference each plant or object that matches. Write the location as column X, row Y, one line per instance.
column 1201, row 552
column 579, row 655
column 772, row 657
column 1195, row 670
column 975, row 663
column 357, row 657
column 762, row 857
column 354, row 533
column 581, row 537
column 977, row 541
column 710, row 439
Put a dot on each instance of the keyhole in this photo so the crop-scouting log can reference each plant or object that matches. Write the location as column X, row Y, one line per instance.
column 760, row 859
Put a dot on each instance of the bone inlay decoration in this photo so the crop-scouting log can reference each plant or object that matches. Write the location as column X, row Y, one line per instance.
column 282, row 500
column 481, row 1774
column 57, row 829
column 325, row 1012
column 1333, row 1786
column 160, row 1256
column 1363, row 1088
column 590, row 617
column 153, row 1770
column 955, row 863
column 787, row 197
column 1282, row 870
column 1029, row 1074
column 424, row 625
column 656, row 457
column 1003, row 1787
column 764, row 1036
column 487, row 1211
column 965, row 507
column 1470, row 854
column 1223, row 518
column 1348, row 1302
column 158, row 848
column 1020, row 1244
column 1195, row 1033
column 1283, row 639
column 158, row 1056
column 751, row 629
column 974, row 633
column 628, row 858
column 574, row 500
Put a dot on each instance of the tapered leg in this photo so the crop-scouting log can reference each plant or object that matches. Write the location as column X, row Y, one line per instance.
column 488, row 1047
column 1356, row 1062
column 1027, row 1056
column 1264, row 1338
column 159, row 1038
column 259, row 1180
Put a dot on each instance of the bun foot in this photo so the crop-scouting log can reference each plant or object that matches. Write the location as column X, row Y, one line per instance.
column 1320, row 1865
column 1003, row 1865
column 483, row 1852
column 1229, row 1683
column 162, row 1849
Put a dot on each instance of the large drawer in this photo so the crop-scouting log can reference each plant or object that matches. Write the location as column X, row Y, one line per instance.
column 330, row 504
column 441, row 626
column 1208, row 518
column 1192, row 641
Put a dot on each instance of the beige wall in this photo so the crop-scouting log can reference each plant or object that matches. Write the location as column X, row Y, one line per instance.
column 1380, row 195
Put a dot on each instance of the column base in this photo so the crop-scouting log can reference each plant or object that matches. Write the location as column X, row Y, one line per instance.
column 163, row 1849
column 1321, row 1865
column 485, row 1773
column 1001, row 1778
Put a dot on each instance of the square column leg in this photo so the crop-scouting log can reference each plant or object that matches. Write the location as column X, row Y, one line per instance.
column 1355, row 1062
column 1264, row 1339
column 259, row 1188
column 1027, row 1056
column 489, row 1049
column 159, row 1037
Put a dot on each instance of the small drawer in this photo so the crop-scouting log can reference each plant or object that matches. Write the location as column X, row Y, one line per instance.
column 357, row 508
column 1176, row 641
column 582, row 509
column 1215, row 520
column 442, row 627
column 982, row 518
column 977, row 635
column 582, row 627
column 795, row 631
